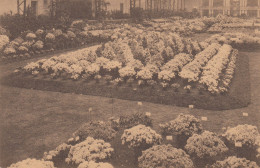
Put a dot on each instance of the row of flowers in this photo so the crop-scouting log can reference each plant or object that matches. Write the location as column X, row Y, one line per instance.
column 151, row 150
column 236, row 39
column 192, row 70
column 211, row 72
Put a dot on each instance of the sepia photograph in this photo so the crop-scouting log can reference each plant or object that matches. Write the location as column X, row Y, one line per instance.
column 129, row 83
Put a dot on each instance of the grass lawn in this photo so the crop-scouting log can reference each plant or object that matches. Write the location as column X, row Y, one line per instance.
column 33, row 121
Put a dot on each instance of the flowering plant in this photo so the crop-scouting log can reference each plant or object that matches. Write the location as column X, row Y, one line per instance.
column 134, row 120
column 4, row 40
column 30, row 36
column 51, row 155
column 38, row 45
column 245, row 134
column 22, row 49
column 235, row 162
column 208, row 144
column 177, row 62
column 192, row 70
column 213, row 69
column 89, row 150
column 97, row 130
column 50, row 37
column 39, row 32
column 164, row 156
column 9, row 51
column 127, row 71
column 92, row 164
column 144, row 74
column 32, row 163
column 166, row 75
column 183, row 125
column 140, row 136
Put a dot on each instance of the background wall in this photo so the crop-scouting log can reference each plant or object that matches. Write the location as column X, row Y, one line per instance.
column 7, row 6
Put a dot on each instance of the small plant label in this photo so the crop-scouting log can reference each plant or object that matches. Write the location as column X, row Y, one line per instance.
column 140, row 103
column 169, row 138
column 204, row 118
column 90, row 109
column 191, row 106
column 134, row 89
column 238, row 144
column 245, row 114
column 148, row 114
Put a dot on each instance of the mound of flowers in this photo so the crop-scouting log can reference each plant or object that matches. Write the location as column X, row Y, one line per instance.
column 97, row 130
column 164, row 156
column 32, row 163
column 92, row 164
column 4, row 40
column 89, row 150
column 235, row 162
column 140, row 136
column 61, row 151
column 237, row 40
column 205, row 148
column 245, row 134
column 183, row 125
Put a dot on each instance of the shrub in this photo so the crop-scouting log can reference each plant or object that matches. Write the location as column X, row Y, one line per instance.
column 135, row 119
column 4, row 40
column 92, row 164
column 208, row 144
column 183, row 125
column 97, row 130
column 245, row 134
column 9, row 51
column 32, row 163
column 164, row 156
column 57, row 153
column 30, row 36
column 89, row 150
column 141, row 137
column 235, row 162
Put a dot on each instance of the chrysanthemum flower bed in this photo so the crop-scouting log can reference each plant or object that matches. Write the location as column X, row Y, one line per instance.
column 141, row 146
column 147, row 66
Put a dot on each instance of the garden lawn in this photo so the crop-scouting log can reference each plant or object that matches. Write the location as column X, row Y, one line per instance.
column 33, row 121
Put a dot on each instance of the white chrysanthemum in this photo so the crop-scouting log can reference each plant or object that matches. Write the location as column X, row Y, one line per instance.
column 140, row 135
column 28, row 163
column 92, row 164
column 192, row 70
column 245, row 134
column 127, row 71
column 4, row 40
column 211, row 72
column 89, row 150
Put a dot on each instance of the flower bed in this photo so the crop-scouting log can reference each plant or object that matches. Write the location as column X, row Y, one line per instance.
column 150, row 67
column 144, row 148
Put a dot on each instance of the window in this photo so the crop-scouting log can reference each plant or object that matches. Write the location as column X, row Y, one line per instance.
column 252, row 13
column 205, row 2
column 121, row 7
column 252, row 3
column 205, row 12
column 218, row 3
column 34, row 7
column 45, row 3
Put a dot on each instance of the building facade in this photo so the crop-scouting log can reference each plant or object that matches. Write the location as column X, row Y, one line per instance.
column 37, row 7
column 230, row 7
column 152, row 5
